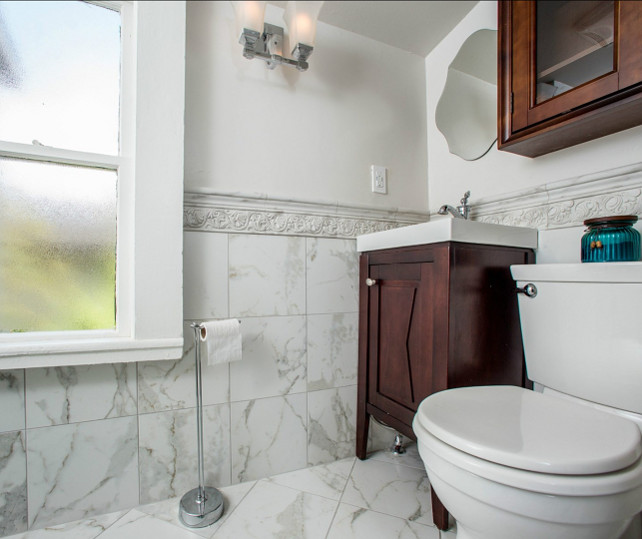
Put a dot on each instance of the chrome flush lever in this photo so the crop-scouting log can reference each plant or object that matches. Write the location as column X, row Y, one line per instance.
column 529, row 290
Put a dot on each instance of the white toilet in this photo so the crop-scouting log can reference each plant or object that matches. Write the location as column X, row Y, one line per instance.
column 512, row 463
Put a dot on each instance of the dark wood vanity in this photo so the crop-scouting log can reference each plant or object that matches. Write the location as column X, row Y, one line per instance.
column 568, row 72
column 433, row 317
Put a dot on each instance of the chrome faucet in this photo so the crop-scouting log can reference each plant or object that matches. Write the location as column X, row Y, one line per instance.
column 460, row 212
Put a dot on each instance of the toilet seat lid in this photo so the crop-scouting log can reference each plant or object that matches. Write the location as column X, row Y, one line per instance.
column 527, row 430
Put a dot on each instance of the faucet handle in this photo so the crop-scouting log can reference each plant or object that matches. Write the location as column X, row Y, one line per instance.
column 464, row 208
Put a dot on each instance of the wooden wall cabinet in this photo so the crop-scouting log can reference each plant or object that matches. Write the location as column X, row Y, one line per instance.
column 434, row 317
column 568, row 72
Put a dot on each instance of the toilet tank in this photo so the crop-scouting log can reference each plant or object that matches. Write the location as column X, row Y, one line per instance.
column 582, row 332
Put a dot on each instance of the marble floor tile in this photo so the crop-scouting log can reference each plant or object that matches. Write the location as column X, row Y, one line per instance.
column 297, row 505
column 168, row 451
column 392, row 489
column 410, row 458
column 352, row 522
column 331, row 424
column 78, row 529
column 269, row 436
column 260, row 263
column 332, row 350
column 332, row 275
column 13, row 483
column 138, row 525
column 167, row 510
column 61, row 395
column 12, row 400
column 271, row 510
column 327, row 480
column 274, row 358
column 205, row 275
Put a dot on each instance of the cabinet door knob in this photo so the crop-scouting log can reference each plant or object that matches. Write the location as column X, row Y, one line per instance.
column 371, row 282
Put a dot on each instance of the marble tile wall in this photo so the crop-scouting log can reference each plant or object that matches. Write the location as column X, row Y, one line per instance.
column 293, row 397
column 81, row 441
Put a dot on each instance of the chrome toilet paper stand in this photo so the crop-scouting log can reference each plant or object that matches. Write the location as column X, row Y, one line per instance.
column 201, row 506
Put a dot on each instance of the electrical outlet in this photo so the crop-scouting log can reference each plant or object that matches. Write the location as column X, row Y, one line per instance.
column 379, row 179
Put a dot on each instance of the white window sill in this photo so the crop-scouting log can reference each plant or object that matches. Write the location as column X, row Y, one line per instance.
column 87, row 352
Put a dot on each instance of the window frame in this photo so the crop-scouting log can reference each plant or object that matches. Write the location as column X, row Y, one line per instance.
column 142, row 331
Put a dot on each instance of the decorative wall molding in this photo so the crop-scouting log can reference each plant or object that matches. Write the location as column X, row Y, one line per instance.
column 567, row 203
column 243, row 214
column 561, row 204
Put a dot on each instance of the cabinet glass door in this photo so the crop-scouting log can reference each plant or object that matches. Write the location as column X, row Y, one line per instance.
column 574, row 45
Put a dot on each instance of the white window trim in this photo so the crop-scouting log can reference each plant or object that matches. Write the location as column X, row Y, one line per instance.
column 150, row 209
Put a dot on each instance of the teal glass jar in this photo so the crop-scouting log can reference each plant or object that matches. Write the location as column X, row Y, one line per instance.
column 611, row 239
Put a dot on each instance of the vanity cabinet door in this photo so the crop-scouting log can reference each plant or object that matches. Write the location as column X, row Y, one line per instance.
column 402, row 330
column 569, row 72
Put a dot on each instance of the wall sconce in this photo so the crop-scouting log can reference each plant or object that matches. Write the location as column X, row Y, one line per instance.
column 265, row 41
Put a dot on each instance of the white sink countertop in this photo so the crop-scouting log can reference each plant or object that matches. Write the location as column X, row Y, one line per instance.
column 448, row 229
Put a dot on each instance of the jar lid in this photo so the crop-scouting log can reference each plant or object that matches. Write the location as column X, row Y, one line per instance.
column 613, row 220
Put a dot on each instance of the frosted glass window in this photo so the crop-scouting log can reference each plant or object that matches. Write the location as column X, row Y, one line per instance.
column 60, row 75
column 57, row 247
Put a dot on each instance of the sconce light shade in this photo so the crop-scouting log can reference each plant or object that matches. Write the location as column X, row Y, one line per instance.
column 301, row 18
column 249, row 15
column 263, row 40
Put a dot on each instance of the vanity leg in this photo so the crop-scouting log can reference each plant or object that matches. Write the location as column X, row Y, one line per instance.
column 363, row 424
column 439, row 512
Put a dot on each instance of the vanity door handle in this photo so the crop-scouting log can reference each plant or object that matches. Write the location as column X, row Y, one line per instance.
column 371, row 282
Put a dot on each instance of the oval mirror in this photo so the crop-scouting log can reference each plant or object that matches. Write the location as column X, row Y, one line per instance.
column 467, row 110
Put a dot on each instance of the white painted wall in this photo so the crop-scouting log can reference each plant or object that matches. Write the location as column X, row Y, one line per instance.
column 502, row 172
column 307, row 136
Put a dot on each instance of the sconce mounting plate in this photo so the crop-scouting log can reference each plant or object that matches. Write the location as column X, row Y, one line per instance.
column 268, row 46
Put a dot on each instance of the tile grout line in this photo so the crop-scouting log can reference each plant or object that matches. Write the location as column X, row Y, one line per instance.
column 127, row 511
column 392, row 464
column 26, row 446
column 307, row 355
column 229, row 415
column 138, row 435
column 397, row 463
column 229, row 367
column 226, row 517
column 26, row 441
column 336, row 509
column 271, row 482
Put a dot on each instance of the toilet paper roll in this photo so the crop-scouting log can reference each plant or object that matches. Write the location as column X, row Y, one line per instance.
column 223, row 340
